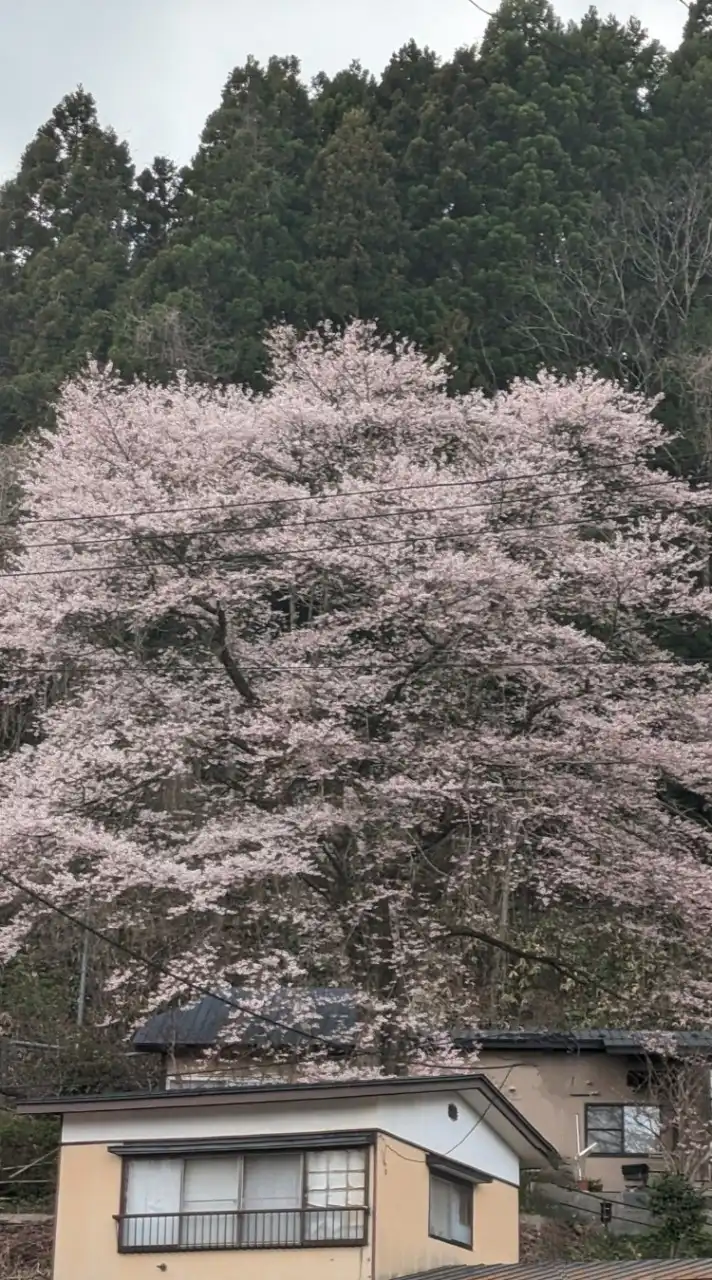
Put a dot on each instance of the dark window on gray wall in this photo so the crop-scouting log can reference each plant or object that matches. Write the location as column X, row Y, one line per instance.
column 622, row 1129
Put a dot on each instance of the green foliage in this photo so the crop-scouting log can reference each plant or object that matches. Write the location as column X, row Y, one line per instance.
column 27, row 1141
column 437, row 199
column 356, row 236
column 679, row 1211
column 64, row 249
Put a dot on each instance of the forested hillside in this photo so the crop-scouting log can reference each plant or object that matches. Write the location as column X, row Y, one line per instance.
column 542, row 198
column 511, row 725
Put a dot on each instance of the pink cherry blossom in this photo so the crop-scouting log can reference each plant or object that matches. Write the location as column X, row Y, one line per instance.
column 357, row 673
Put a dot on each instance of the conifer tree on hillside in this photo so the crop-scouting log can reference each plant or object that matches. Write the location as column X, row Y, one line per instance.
column 355, row 240
column 235, row 262
column 65, row 246
column 682, row 103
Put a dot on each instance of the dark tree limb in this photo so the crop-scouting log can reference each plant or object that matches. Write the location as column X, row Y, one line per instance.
column 534, row 957
column 536, row 708
column 223, row 653
column 438, row 647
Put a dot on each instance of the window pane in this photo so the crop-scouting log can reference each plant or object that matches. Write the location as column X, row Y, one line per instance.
column 607, row 1141
column 642, row 1130
column 338, row 1173
column 336, row 1183
column 153, row 1195
column 464, row 1206
column 210, row 1201
column 604, row 1126
column 604, row 1117
column 460, row 1215
column 272, row 1182
column 439, row 1207
column 210, row 1182
column 271, row 1185
column 450, row 1210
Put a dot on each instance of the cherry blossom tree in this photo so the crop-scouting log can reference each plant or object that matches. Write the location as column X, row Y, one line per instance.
column 362, row 683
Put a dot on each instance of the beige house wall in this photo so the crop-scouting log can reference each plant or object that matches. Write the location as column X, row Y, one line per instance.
column 401, row 1240
column 85, row 1239
column 552, row 1089
column 90, row 1195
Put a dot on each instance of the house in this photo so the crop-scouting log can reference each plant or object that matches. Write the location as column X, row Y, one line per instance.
column 351, row 1180
column 267, row 1044
column 591, row 1089
column 604, row 1092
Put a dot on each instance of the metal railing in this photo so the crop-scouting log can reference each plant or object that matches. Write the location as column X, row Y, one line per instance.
column 241, row 1229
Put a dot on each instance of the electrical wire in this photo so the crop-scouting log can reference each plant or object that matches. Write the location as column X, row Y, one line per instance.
column 244, row 505
column 163, row 969
column 473, row 666
column 419, row 537
column 307, row 554
column 188, row 983
column 387, row 513
column 414, row 1159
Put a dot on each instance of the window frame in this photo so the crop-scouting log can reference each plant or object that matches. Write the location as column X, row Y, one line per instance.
column 241, row 1151
column 592, row 1107
column 462, row 1185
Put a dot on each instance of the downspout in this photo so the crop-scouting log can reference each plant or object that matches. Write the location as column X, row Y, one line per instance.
column 374, row 1201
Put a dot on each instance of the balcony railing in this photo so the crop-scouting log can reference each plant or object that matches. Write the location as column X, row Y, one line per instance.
column 244, row 1229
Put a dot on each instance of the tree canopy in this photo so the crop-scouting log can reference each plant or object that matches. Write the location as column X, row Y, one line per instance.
column 363, row 684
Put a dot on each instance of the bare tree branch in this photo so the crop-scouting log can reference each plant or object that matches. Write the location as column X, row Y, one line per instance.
column 222, row 651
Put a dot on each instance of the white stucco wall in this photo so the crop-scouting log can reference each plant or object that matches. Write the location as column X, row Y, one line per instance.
column 421, row 1119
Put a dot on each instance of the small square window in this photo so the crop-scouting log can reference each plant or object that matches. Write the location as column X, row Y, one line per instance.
column 450, row 1211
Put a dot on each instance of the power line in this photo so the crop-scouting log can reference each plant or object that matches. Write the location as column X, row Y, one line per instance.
column 190, row 985
column 476, row 667
column 307, row 553
column 162, row 969
column 584, row 470
column 388, row 513
column 166, row 971
column 480, row 1118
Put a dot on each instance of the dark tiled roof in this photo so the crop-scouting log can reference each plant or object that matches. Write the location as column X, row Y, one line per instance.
column 331, row 1013
column 328, row 1012
column 690, row 1269
column 601, row 1040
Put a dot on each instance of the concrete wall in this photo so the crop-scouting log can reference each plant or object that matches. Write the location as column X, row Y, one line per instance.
column 630, row 1214
column 552, row 1089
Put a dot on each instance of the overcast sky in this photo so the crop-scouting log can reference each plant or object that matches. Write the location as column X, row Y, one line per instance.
column 156, row 67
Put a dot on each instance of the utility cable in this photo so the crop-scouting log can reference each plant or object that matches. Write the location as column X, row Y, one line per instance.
column 307, row 554
column 162, row 969
column 204, row 991
column 388, row 513
column 244, row 505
